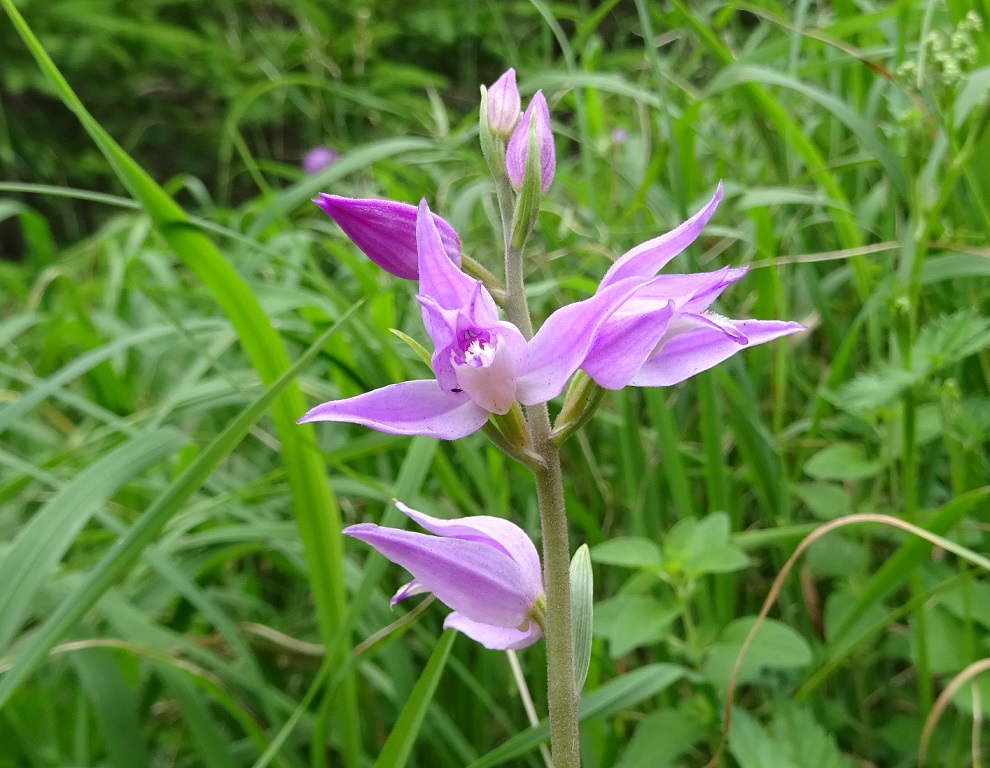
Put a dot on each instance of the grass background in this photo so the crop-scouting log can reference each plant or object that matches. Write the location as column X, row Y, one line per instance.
column 176, row 591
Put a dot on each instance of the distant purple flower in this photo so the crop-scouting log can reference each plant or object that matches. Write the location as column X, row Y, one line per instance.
column 386, row 231
column 515, row 156
column 503, row 104
column 664, row 333
column 620, row 135
column 485, row 568
column 319, row 158
column 482, row 364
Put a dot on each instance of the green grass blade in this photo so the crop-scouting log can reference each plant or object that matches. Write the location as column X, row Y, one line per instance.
column 314, row 505
column 118, row 560
column 398, row 746
column 40, row 545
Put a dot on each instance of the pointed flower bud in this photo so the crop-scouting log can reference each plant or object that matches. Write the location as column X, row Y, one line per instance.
column 504, row 105
column 538, row 114
column 386, row 231
column 485, row 568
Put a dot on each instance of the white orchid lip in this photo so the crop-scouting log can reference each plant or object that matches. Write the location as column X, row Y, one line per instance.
column 485, row 371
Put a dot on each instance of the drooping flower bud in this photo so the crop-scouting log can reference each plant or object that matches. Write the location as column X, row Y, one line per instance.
column 504, row 105
column 515, row 157
column 386, row 231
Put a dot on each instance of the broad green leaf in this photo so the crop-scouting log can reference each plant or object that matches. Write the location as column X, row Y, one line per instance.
column 842, row 461
column 629, row 621
column 661, row 738
column 627, row 551
column 775, row 646
column 794, row 740
column 826, row 502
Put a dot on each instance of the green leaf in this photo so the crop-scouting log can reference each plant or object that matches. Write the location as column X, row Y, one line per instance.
column 826, row 502
column 118, row 560
column 400, row 741
column 795, row 740
column 775, row 646
column 40, row 545
column 628, row 551
column 582, row 613
column 842, row 461
column 629, row 621
column 114, row 706
column 621, row 693
column 661, row 738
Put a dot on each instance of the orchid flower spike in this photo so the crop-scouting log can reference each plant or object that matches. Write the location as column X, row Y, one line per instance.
column 482, row 365
column 538, row 114
column 485, row 568
column 664, row 333
column 386, row 231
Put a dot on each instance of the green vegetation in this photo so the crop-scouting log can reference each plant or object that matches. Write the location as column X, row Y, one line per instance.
column 174, row 589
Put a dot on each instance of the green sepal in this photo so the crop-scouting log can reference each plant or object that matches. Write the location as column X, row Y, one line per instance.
column 583, row 397
column 528, row 202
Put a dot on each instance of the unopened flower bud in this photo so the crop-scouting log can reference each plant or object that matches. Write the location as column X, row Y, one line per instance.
column 504, row 105
column 538, row 114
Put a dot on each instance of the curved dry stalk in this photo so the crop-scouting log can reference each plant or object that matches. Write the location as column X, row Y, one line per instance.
column 974, row 669
column 778, row 583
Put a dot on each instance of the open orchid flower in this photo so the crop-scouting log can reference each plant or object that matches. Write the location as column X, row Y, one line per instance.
column 485, row 568
column 482, row 364
column 664, row 333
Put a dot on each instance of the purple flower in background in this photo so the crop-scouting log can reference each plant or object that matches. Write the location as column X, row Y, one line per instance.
column 319, row 158
column 515, row 155
column 482, row 364
column 485, row 568
column 664, row 333
column 386, row 231
column 503, row 104
column 620, row 135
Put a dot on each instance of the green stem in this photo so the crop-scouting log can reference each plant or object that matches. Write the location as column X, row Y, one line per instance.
column 561, row 694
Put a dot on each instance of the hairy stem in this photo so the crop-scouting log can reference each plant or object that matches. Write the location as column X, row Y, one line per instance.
column 561, row 694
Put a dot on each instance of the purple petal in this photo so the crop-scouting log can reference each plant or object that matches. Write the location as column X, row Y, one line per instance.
column 504, row 104
column 492, row 637
column 624, row 342
column 408, row 590
column 650, row 257
column 469, row 576
column 515, row 153
column 703, row 347
column 409, row 408
column 692, row 292
column 439, row 277
column 497, row 532
column 386, row 231
column 561, row 345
